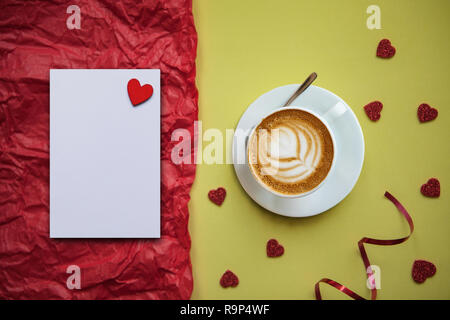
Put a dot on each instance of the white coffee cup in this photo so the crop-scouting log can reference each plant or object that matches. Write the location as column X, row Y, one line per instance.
column 274, row 192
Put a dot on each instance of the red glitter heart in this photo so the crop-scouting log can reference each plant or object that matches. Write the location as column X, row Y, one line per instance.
column 217, row 196
column 385, row 49
column 373, row 110
column 229, row 279
column 431, row 189
column 274, row 249
column 138, row 93
column 422, row 270
column 426, row 113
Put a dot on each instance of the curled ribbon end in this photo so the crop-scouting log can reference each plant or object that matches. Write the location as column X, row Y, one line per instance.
column 365, row 258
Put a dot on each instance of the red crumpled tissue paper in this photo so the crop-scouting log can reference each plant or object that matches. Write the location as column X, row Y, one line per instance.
column 120, row 34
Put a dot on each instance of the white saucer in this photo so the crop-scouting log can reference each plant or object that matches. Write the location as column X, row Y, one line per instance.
column 349, row 144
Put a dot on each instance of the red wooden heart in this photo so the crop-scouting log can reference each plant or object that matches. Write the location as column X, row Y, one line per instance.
column 138, row 93
column 385, row 49
column 229, row 279
column 422, row 270
column 274, row 249
column 373, row 110
column 217, row 196
column 431, row 189
column 426, row 113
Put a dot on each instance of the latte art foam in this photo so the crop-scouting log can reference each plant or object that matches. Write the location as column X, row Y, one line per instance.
column 291, row 151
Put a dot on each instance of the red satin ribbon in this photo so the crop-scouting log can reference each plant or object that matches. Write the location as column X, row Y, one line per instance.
column 365, row 258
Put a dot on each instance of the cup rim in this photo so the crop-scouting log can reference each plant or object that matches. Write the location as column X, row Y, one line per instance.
column 283, row 195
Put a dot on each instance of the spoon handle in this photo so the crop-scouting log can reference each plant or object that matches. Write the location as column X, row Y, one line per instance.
column 302, row 88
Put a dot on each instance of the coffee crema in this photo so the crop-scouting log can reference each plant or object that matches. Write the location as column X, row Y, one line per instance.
column 291, row 151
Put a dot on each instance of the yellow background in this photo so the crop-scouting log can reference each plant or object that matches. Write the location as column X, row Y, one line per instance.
column 247, row 47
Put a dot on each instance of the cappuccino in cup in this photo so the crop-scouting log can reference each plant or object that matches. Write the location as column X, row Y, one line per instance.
column 291, row 152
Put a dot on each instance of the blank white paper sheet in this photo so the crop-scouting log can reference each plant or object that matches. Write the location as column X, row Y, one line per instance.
column 104, row 155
